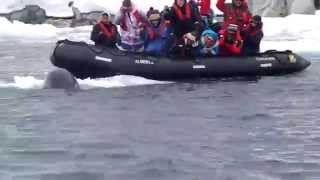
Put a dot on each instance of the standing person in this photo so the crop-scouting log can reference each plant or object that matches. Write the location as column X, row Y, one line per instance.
column 132, row 27
column 230, row 41
column 77, row 17
column 105, row 33
column 252, row 36
column 235, row 13
column 185, row 22
column 204, row 11
column 195, row 8
column 182, row 17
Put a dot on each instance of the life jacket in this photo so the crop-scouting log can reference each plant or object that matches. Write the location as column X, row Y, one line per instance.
column 181, row 16
column 237, row 15
column 155, row 32
column 107, row 30
column 204, row 7
column 227, row 49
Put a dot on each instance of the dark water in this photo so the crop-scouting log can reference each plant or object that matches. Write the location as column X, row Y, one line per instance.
column 242, row 129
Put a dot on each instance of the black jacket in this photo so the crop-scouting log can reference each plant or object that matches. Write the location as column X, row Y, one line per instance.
column 251, row 40
column 100, row 39
column 181, row 27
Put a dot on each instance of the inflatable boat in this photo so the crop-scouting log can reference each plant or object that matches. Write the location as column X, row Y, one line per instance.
column 89, row 61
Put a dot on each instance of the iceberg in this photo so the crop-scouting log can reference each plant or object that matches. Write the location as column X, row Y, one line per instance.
column 60, row 8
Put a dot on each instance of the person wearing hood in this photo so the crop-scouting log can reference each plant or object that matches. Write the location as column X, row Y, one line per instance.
column 252, row 36
column 158, row 36
column 105, row 33
column 230, row 41
column 235, row 13
column 209, row 43
column 132, row 27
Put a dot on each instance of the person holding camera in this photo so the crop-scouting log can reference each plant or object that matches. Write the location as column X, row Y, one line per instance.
column 132, row 27
column 230, row 42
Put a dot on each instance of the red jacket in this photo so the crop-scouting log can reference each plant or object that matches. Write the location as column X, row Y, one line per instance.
column 205, row 6
column 235, row 15
column 227, row 49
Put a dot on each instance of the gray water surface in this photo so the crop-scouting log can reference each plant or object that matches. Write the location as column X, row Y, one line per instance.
column 233, row 129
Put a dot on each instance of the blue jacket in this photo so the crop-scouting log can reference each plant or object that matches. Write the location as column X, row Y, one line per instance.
column 156, row 40
column 209, row 51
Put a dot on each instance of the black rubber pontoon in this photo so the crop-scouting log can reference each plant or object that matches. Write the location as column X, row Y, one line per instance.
column 85, row 61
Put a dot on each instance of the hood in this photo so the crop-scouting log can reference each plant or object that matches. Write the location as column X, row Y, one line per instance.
column 210, row 33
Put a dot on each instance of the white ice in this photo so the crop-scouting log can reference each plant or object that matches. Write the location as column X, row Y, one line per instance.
column 30, row 82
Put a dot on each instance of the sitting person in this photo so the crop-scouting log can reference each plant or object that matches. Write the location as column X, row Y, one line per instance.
column 132, row 26
column 158, row 38
column 235, row 13
column 105, row 33
column 188, row 45
column 252, row 36
column 209, row 43
column 230, row 41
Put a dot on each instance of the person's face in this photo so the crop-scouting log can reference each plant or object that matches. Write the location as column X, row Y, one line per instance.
column 230, row 37
column 209, row 41
column 180, row 3
column 237, row 3
column 127, row 8
column 253, row 23
column 105, row 19
column 155, row 23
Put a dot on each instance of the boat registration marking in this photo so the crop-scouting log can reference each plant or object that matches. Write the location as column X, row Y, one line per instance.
column 265, row 58
column 103, row 59
column 143, row 61
column 267, row 65
column 199, row 67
